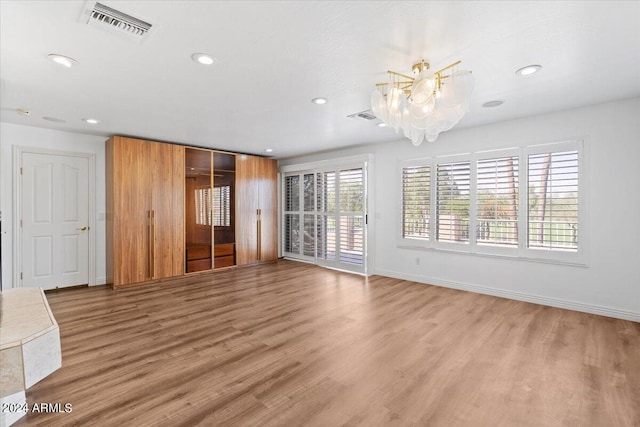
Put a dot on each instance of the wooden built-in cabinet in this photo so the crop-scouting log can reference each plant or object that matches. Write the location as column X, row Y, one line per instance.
column 256, row 219
column 145, row 210
column 174, row 210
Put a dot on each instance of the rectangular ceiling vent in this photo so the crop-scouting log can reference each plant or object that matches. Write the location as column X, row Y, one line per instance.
column 366, row 114
column 115, row 21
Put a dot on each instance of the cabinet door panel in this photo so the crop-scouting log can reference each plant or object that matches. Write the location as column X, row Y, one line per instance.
column 167, row 177
column 247, row 201
column 132, row 204
column 198, row 230
column 269, row 208
column 256, row 181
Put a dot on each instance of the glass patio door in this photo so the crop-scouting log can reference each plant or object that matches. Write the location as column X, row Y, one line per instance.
column 325, row 217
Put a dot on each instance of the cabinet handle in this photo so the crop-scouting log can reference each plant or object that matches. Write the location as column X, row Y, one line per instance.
column 259, row 252
column 259, row 235
column 150, row 245
column 153, row 244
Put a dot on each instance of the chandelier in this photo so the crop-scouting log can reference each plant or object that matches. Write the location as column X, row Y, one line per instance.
column 423, row 105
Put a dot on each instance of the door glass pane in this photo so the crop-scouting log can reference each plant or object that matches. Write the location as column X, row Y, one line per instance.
column 309, row 193
column 351, row 239
column 223, row 208
column 309, row 235
column 292, row 193
column 198, row 210
column 326, row 195
column 292, row 233
column 351, row 230
column 326, row 237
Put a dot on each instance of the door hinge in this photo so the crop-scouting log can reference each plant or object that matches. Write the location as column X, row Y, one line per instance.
column 20, row 276
column 20, row 170
column 20, row 223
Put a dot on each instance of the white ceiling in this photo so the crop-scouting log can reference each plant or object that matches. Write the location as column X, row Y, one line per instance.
column 274, row 57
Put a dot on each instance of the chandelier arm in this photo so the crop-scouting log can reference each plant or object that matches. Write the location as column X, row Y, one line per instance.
column 401, row 75
column 447, row 67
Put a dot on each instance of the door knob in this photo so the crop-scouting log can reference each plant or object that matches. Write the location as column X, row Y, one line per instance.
column 83, row 228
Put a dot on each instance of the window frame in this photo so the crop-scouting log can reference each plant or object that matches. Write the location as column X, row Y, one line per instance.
column 520, row 251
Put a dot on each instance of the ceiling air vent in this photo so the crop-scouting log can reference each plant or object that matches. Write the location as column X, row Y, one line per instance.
column 366, row 114
column 115, row 21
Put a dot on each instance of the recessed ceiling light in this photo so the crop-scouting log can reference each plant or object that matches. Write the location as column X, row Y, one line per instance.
column 53, row 119
column 91, row 121
column 528, row 70
column 382, row 125
column 492, row 104
column 203, row 58
column 268, row 150
column 23, row 111
column 62, row 60
column 319, row 101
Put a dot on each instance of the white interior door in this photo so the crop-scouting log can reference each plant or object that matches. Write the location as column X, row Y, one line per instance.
column 55, row 220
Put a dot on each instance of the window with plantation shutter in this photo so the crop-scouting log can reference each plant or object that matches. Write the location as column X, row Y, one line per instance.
column 452, row 186
column 523, row 202
column 291, row 226
column 326, row 215
column 309, row 217
column 416, row 195
column 351, row 216
column 553, row 201
column 497, row 201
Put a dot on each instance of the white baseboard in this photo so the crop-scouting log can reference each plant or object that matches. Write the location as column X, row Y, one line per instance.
column 519, row 296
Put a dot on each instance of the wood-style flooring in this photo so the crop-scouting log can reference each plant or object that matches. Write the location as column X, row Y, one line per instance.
column 291, row 344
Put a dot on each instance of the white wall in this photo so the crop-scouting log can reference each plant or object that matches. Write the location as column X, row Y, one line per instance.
column 25, row 136
column 609, row 285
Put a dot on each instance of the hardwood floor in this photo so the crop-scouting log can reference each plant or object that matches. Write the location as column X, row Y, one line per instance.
column 292, row 344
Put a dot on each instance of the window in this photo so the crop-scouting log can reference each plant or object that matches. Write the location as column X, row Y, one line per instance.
column 218, row 214
column 453, row 202
column 291, row 240
column 351, row 216
column 326, row 218
column 553, row 201
column 497, row 201
column 203, row 206
column 416, row 202
column 222, row 206
column 522, row 202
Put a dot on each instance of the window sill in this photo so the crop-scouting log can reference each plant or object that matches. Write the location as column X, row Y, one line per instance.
column 580, row 260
